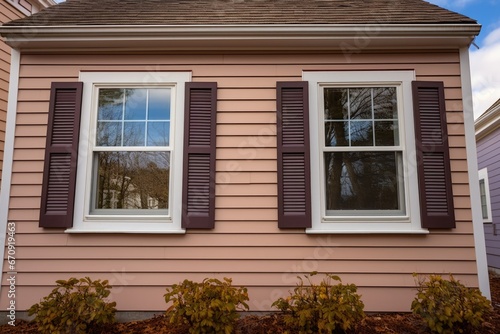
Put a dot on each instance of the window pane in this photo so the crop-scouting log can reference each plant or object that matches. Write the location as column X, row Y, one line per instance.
column 361, row 103
column 386, row 133
column 484, row 205
column 361, row 116
column 336, row 104
column 336, row 133
column 109, row 133
column 158, row 133
column 385, row 104
column 110, row 104
column 132, row 119
column 135, row 105
column 131, row 181
column 358, row 181
column 134, row 134
column 159, row 104
column 361, row 133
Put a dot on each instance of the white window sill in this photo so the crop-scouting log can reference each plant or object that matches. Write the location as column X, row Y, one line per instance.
column 354, row 231
column 368, row 225
column 137, row 227
column 124, row 231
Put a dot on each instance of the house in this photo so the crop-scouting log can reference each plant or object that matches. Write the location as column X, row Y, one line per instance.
column 11, row 10
column 256, row 139
column 488, row 142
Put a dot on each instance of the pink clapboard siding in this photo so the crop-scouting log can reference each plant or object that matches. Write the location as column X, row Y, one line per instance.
column 7, row 13
column 246, row 243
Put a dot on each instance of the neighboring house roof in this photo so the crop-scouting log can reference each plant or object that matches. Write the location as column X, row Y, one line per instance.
column 42, row 3
column 489, row 121
column 29, row 7
column 223, row 12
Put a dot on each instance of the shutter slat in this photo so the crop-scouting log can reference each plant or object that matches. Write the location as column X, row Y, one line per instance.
column 198, row 189
column 433, row 160
column 58, row 183
column 61, row 153
column 63, row 121
column 294, row 193
column 200, row 117
column 198, row 196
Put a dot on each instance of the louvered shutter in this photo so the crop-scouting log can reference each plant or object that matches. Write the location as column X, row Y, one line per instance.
column 198, row 196
column 433, row 157
column 294, row 191
column 61, row 153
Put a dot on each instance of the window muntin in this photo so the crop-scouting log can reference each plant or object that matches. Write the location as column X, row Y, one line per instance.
column 131, row 168
column 363, row 165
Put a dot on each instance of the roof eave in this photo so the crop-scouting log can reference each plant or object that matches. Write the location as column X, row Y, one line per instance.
column 487, row 123
column 202, row 37
column 43, row 3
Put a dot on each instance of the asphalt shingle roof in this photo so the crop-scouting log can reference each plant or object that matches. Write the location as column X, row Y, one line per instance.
column 225, row 12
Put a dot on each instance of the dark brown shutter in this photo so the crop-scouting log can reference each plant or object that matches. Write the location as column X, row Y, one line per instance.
column 294, row 190
column 198, row 195
column 61, row 153
column 433, row 157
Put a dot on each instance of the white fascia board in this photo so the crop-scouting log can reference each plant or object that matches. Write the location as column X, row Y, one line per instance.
column 253, row 29
column 487, row 124
column 42, row 3
column 315, row 36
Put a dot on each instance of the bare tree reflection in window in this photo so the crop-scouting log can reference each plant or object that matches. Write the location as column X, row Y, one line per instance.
column 362, row 178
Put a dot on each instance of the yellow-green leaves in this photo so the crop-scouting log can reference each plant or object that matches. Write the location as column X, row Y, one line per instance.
column 74, row 306
column 323, row 308
column 208, row 307
column 448, row 307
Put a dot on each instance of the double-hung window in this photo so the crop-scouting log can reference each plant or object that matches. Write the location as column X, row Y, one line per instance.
column 363, row 152
column 131, row 153
column 130, row 178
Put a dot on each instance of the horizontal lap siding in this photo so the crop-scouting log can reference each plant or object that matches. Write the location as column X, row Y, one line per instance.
column 487, row 155
column 246, row 243
column 7, row 13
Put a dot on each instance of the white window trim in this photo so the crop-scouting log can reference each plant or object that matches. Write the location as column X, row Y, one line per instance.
column 410, row 223
column 483, row 175
column 83, row 222
column 21, row 8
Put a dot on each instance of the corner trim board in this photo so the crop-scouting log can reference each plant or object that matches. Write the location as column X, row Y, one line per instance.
column 470, row 144
column 8, row 152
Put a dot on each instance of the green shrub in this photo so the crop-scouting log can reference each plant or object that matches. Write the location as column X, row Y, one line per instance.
column 323, row 308
column 208, row 307
column 447, row 306
column 74, row 306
